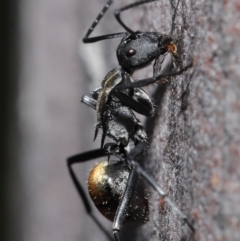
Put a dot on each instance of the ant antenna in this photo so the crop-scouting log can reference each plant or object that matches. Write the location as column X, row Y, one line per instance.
column 117, row 12
column 132, row 5
column 97, row 20
column 86, row 39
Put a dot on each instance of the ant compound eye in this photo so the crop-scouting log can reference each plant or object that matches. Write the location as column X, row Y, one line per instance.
column 131, row 52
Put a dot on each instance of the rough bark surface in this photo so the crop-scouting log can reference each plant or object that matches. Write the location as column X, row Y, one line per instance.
column 194, row 151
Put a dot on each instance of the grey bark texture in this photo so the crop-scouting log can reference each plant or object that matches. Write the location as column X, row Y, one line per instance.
column 194, row 151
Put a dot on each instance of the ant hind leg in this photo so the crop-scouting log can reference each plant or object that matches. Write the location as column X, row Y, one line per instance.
column 79, row 158
column 139, row 170
column 161, row 192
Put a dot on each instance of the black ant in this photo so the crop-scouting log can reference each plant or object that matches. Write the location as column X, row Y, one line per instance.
column 112, row 184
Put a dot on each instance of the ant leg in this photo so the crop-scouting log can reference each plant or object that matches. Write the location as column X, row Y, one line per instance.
column 160, row 191
column 174, row 16
column 132, row 5
column 83, row 157
column 86, row 39
column 89, row 101
column 139, row 102
column 92, row 101
column 154, row 184
column 134, row 98
column 122, row 211
column 164, row 64
column 148, row 81
column 132, row 155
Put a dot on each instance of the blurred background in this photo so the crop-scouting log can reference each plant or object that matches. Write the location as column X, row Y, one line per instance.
column 45, row 71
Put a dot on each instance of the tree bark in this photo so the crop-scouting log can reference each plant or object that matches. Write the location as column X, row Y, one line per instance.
column 194, row 152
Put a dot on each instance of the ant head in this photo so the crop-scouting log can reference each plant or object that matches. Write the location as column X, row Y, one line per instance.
column 139, row 49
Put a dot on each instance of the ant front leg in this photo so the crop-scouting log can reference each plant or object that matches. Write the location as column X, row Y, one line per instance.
column 79, row 158
column 152, row 80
